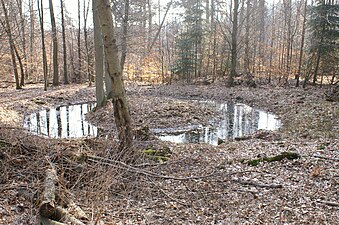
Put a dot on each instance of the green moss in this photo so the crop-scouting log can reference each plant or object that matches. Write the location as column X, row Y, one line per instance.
column 39, row 102
column 281, row 156
column 159, row 155
column 254, row 162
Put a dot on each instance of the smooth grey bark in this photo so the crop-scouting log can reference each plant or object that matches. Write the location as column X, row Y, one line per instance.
column 99, row 59
column 120, row 105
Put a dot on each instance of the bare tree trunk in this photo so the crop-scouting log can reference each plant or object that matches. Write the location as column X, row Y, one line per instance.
column 23, row 41
column 90, row 79
column 120, row 104
column 247, row 37
column 301, row 45
column 66, row 81
column 99, row 59
column 55, row 46
column 32, row 27
column 11, row 44
column 234, row 42
column 272, row 44
column 124, row 35
column 44, row 56
column 79, row 44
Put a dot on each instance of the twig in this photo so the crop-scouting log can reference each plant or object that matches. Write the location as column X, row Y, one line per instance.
column 335, row 204
column 324, row 157
column 123, row 165
column 247, row 182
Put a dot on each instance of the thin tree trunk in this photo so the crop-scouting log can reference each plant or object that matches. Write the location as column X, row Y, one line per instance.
column 55, row 46
column 124, row 35
column 120, row 104
column 247, row 37
column 66, row 81
column 301, row 45
column 32, row 27
column 86, row 43
column 44, row 56
column 11, row 44
column 79, row 44
column 234, row 42
column 23, row 37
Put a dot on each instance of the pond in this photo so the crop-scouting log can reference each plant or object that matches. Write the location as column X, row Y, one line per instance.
column 62, row 122
column 236, row 120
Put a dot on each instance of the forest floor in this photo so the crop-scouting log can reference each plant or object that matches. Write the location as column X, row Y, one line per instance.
column 200, row 183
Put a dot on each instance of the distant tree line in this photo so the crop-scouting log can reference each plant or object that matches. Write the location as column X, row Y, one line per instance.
column 186, row 40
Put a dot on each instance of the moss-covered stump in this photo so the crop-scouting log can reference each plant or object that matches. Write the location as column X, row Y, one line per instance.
column 281, row 156
column 159, row 155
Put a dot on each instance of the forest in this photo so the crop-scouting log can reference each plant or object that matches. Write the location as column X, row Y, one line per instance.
column 169, row 112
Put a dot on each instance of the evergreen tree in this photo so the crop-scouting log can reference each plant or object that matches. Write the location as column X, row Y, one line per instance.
column 324, row 27
column 189, row 42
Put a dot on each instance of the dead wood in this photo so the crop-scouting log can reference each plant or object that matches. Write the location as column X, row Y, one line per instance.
column 47, row 206
column 122, row 165
column 329, row 203
column 252, row 183
column 45, row 221
column 324, row 157
column 75, row 210
column 63, row 215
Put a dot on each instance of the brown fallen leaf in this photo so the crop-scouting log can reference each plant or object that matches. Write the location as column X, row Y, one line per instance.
column 315, row 171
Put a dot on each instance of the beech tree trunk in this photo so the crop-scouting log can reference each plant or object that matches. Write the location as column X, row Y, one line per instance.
column 120, row 104
column 99, row 60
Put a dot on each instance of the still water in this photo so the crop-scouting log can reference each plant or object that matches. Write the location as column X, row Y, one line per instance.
column 62, row 122
column 235, row 120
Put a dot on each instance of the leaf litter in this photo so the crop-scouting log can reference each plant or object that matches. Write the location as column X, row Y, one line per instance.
column 215, row 187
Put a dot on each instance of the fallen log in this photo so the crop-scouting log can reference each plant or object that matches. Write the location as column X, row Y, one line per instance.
column 45, row 221
column 47, row 206
column 63, row 215
column 75, row 210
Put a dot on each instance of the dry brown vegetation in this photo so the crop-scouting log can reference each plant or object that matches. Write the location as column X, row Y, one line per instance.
column 199, row 184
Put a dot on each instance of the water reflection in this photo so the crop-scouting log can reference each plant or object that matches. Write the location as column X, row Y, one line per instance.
column 236, row 120
column 62, row 122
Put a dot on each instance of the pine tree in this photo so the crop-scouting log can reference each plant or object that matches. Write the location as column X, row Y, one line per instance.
column 189, row 42
column 324, row 27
